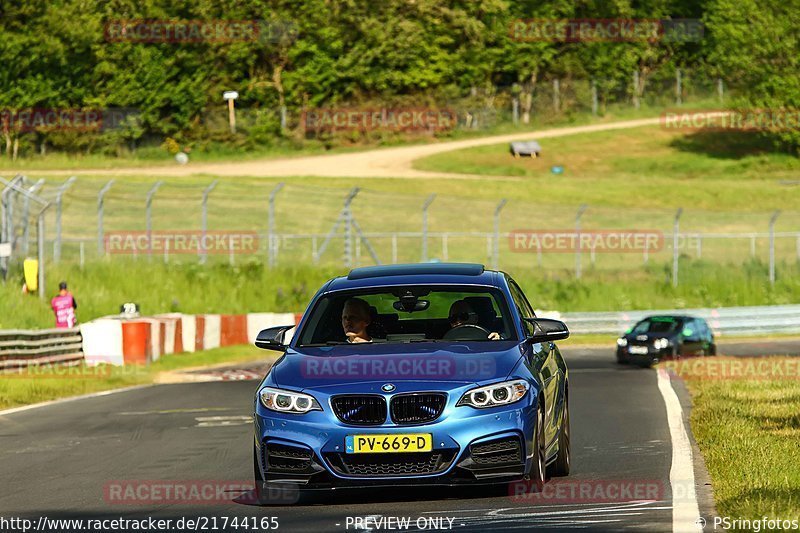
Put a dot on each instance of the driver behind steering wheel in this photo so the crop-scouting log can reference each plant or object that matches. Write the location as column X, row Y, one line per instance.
column 461, row 313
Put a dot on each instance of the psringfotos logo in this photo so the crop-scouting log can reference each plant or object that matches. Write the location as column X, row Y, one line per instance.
column 599, row 241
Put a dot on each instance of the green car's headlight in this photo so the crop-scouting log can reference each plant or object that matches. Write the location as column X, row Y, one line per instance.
column 494, row 395
column 285, row 401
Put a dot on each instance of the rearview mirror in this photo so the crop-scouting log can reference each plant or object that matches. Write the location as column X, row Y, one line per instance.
column 272, row 338
column 547, row 329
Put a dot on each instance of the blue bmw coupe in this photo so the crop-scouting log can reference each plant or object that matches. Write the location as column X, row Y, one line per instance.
column 429, row 373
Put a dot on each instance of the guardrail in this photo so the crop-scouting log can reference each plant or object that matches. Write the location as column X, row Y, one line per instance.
column 20, row 348
column 783, row 319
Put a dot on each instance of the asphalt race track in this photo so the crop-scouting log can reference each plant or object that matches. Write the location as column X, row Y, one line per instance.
column 69, row 460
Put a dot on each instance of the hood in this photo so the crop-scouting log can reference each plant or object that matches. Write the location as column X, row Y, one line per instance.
column 434, row 365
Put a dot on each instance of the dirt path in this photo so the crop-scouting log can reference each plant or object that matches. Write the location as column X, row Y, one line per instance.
column 379, row 163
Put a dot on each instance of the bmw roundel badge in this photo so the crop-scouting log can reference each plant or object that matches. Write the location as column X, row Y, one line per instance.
column 388, row 387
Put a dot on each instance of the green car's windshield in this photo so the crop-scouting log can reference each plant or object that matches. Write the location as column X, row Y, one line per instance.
column 657, row 325
column 409, row 314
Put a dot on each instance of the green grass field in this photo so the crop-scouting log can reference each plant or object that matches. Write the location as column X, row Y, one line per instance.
column 748, row 430
column 101, row 287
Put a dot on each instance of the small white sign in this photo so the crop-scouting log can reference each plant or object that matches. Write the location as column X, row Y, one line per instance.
column 5, row 249
column 230, row 95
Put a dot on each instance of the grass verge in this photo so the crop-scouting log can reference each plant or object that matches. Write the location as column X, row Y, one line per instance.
column 101, row 287
column 54, row 382
column 747, row 426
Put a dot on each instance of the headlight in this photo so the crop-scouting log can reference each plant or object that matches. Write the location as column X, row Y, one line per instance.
column 285, row 401
column 622, row 341
column 494, row 395
column 659, row 344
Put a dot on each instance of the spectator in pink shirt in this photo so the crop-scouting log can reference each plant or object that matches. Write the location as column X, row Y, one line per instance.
column 64, row 306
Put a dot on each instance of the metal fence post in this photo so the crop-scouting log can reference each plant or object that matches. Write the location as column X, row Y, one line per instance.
column 100, row 198
column 594, row 98
column 148, row 209
column 678, row 87
column 556, row 96
column 720, row 90
column 675, row 229
column 40, row 238
column 428, row 201
column 204, row 220
column 772, row 220
column 26, row 213
column 636, row 89
column 348, row 227
column 7, row 234
column 578, row 215
column 271, row 248
column 59, row 196
column 496, row 252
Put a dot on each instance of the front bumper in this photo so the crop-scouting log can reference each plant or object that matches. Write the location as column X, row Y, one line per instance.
column 652, row 355
column 469, row 446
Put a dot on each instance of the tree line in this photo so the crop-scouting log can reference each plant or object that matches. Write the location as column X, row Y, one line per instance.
column 171, row 60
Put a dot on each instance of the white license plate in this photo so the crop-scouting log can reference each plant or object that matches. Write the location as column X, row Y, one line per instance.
column 637, row 350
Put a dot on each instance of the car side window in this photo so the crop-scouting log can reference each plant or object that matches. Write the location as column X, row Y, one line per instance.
column 523, row 307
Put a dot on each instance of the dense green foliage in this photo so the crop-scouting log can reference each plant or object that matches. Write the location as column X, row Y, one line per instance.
column 321, row 53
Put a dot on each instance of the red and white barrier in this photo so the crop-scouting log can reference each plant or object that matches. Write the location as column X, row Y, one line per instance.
column 120, row 341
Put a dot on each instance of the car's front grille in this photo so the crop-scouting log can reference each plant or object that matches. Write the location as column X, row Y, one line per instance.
column 282, row 458
column 497, row 452
column 391, row 464
column 360, row 410
column 417, row 408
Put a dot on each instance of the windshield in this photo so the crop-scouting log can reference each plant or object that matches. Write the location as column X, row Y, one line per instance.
column 408, row 314
column 657, row 325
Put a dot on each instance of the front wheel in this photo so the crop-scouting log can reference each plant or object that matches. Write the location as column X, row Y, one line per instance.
column 560, row 466
column 539, row 468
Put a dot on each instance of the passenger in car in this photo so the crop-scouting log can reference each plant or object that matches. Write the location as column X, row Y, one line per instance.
column 461, row 313
column 355, row 320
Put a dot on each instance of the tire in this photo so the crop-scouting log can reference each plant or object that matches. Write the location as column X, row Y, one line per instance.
column 259, row 481
column 712, row 349
column 560, row 467
column 539, row 468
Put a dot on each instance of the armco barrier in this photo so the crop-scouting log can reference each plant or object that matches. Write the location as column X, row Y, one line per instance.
column 20, row 348
column 723, row 321
column 120, row 341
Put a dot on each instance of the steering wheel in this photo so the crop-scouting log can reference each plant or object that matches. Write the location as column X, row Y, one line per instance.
column 467, row 332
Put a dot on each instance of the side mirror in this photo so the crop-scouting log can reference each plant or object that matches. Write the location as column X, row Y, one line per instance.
column 272, row 338
column 547, row 329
